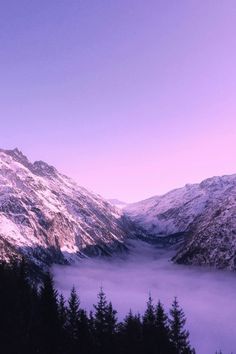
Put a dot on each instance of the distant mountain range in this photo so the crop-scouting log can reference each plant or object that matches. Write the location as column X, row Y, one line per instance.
column 202, row 215
column 48, row 218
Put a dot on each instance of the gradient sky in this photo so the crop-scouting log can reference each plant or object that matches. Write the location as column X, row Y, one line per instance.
column 131, row 98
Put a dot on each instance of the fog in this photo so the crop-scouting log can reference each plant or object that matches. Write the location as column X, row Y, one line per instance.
column 208, row 297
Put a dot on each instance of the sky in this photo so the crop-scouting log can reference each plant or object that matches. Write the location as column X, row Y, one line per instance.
column 131, row 98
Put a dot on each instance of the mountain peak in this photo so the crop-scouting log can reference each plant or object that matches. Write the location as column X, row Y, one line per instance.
column 17, row 151
column 47, row 218
column 203, row 216
column 40, row 168
column 43, row 169
column 17, row 155
column 117, row 203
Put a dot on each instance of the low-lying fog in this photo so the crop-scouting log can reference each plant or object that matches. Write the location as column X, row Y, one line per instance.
column 208, row 297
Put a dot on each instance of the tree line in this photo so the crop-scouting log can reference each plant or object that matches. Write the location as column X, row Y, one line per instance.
column 36, row 319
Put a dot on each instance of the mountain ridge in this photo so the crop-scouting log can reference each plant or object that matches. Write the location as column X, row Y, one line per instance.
column 205, row 212
column 45, row 215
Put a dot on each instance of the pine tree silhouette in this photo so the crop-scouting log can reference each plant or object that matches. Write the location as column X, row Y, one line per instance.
column 37, row 322
column 73, row 320
column 162, row 330
column 62, row 316
column 149, row 328
column 62, row 311
column 131, row 334
column 49, row 326
column 104, row 324
column 84, row 333
column 179, row 336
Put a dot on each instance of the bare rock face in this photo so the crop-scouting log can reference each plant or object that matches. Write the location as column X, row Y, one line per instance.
column 48, row 218
column 204, row 213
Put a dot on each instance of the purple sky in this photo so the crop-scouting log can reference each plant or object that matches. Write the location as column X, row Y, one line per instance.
column 129, row 97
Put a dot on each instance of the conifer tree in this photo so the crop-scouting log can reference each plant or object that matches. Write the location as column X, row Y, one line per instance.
column 62, row 311
column 49, row 326
column 62, row 316
column 35, row 322
column 100, row 313
column 149, row 315
column 104, row 323
column 149, row 328
column 73, row 320
column 100, row 322
column 25, row 302
column 84, row 333
column 111, row 328
column 162, row 330
column 131, row 334
column 111, row 320
column 179, row 336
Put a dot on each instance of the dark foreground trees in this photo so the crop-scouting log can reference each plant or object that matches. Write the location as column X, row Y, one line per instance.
column 39, row 320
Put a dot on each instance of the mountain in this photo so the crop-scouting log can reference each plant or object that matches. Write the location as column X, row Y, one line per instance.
column 117, row 203
column 48, row 218
column 204, row 215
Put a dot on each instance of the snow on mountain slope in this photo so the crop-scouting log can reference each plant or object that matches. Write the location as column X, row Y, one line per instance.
column 49, row 218
column 117, row 203
column 205, row 213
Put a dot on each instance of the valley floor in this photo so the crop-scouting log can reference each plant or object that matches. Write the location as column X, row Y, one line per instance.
column 207, row 296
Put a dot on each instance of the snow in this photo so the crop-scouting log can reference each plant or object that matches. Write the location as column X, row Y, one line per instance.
column 39, row 207
column 53, row 210
column 206, row 212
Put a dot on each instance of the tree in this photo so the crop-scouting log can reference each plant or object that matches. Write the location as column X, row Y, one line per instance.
column 11, row 312
column 49, row 321
column 149, row 328
column 84, row 333
column 149, row 315
column 111, row 320
column 100, row 314
column 179, row 336
column 73, row 320
column 131, row 334
column 35, row 321
column 105, row 323
column 162, row 330
column 62, row 311
column 111, row 328
column 62, row 316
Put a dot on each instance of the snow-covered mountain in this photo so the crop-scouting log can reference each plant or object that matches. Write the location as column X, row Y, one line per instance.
column 205, row 213
column 48, row 218
column 117, row 203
